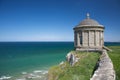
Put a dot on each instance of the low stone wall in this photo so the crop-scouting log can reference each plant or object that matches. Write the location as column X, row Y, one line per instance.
column 105, row 70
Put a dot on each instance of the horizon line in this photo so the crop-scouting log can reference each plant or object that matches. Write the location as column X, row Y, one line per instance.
column 36, row 41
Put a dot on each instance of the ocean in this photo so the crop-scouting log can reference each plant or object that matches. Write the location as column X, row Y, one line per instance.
column 20, row 58
column 31, row 60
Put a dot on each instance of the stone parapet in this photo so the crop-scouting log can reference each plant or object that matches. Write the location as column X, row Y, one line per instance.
column 105, row 70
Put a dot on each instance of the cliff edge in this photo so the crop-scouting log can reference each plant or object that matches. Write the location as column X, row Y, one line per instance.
column 78, row 66
column 84, row 66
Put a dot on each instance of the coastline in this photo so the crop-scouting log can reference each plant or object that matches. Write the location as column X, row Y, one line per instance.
column 58, row 59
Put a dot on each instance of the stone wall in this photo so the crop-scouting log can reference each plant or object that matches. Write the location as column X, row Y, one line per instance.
column 88, row 38
column 105, row 70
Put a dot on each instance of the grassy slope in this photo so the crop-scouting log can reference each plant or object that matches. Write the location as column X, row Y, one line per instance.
column 115, row 57
column 81, row 71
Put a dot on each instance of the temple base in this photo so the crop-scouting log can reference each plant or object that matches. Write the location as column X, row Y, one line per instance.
column 92, row 49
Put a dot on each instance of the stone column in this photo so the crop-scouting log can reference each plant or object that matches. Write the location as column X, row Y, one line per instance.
column 89, row 38
column 95, row 38
column 102, row 38
column 78, row 39
column 82, row 38
column 74, row 39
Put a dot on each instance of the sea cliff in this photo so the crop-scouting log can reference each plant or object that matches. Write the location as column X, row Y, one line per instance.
column 84, row 66
column 80, row 68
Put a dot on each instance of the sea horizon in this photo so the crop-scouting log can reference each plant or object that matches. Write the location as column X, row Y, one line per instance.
column 53, row 41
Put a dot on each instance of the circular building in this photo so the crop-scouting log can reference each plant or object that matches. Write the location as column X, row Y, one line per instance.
column 89, row 35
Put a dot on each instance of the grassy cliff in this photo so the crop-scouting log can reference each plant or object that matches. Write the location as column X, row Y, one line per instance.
column 82, row 70
column 115, row 57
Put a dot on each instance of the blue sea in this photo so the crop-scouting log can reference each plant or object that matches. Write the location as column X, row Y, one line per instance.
column 31, row 60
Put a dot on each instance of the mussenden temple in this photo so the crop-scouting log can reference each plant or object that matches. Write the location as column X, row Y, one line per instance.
column 89, row 35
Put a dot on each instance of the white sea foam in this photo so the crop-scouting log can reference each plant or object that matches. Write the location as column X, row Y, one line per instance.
column 40, row 72
column 45, row 72
column 21, row 79
column 34, row 75
column 5, row 77
column 37, row 71
column 24, row 72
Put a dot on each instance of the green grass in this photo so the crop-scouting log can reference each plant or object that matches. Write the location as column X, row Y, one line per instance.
column 82, row 70
column 115, row 57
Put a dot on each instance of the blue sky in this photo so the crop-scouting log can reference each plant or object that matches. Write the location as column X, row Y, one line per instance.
column 54, row 20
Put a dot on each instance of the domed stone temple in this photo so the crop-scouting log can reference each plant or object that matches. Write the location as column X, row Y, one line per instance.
column 89, row 35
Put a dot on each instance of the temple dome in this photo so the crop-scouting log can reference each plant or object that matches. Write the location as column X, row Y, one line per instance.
column 89, row 22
